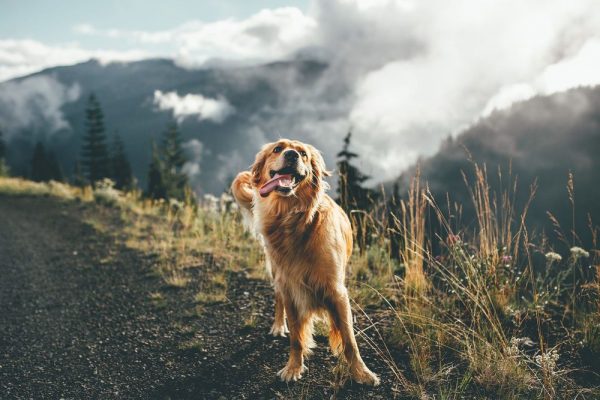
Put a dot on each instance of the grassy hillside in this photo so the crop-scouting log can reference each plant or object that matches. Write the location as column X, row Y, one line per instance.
column 490, row 313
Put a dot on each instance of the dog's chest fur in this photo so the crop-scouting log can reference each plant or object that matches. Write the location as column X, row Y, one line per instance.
column 291, row 237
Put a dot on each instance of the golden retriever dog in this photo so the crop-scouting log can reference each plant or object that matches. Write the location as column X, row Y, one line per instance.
column 308, row 242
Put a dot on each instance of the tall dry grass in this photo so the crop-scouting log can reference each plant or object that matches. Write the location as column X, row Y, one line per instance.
column 453, row 311
column 473, row 307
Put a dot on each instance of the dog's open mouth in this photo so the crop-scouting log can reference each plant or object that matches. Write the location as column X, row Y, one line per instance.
column 283, row 181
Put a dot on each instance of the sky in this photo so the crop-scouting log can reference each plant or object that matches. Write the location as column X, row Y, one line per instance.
column 40, row 33
column 53, row 22
column 411, row 72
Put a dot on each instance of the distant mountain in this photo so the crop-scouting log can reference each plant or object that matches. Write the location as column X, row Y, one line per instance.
column 49, row 106
column 544, row 138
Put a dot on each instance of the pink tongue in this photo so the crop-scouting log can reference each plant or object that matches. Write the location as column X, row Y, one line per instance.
column 274, row 183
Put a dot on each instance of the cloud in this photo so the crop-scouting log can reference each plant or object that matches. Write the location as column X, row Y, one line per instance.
column 403, row 74
column 19, row 57
column 267, row 35
column 35, row 104
column 421, row 70
column 507, row 96
column 204, row 108
column 193, row 150
column 578, row 70
column 406, row 74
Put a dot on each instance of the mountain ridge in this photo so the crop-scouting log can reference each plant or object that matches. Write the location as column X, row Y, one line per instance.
column 126, row 91
column 541, row 140
column 544, row 137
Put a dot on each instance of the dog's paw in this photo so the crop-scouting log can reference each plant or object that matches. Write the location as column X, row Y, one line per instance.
column 279, row 330
column 292, row 372
column 365, row 376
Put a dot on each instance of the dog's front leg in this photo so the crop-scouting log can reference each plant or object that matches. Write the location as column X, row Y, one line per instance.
column 297, row 323
column 279, row 327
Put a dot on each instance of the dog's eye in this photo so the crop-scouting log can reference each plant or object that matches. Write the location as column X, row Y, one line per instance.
column 303, row 153
column 277, row 149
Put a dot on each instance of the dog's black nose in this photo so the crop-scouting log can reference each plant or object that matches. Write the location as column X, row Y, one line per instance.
column 291, row 155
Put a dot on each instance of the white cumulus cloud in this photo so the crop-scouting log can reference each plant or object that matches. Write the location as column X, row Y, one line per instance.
column 194, row 150
column 267, row 35
column 456, row 56
column 403, row 74
column 20, row 57
column 581, row 69
column 35, row 103
column 203, row 108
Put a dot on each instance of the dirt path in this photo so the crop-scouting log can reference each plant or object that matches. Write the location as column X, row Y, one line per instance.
column 77, row 321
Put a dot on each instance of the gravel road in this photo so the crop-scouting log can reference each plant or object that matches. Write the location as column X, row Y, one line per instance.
column 77, row 321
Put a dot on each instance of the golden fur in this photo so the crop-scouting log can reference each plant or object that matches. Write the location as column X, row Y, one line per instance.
column 308, row 242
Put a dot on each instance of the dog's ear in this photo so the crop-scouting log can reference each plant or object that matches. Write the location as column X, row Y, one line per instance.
column 317, row 163
column 259, row 164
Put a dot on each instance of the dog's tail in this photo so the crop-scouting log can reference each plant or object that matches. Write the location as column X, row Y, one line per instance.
column 241, row 188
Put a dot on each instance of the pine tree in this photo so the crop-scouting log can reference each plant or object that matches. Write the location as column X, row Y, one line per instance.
column 44, row 165
column 156, row 184
column 3, row 167
column 175, row 180
column 166, row 179
column 351, row 194
column 4, row 170
column 54, row 170
column 2, row 146
column 39, row 164
column 94, row 152
column 78, row 179
column 120, row 168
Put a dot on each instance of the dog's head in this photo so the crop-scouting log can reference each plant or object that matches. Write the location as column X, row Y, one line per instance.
column 289, row 168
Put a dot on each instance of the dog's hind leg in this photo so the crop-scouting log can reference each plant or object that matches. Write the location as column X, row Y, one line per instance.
column 338, row 306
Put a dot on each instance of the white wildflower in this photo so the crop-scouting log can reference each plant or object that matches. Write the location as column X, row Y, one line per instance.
column 176, row 205
column 522, row 341
column 225, row 202
column 210, row 198
column 553, row 257
column 106, row 193
column 578, row 252
column 512, row 350
column 515, row 343
column 211, row 202
column 548, row 361
column 227, row 198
